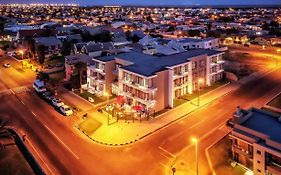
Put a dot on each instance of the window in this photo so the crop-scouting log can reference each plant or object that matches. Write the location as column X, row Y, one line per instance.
column 259, row 170
column 259, row 162
column 258, row 152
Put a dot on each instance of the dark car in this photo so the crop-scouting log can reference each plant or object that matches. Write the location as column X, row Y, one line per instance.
column 48, row 96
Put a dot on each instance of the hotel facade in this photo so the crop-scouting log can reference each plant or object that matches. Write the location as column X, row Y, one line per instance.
column 256, row 141
column 153, row 82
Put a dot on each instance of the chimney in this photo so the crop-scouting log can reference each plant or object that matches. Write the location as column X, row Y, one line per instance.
column 237, row 115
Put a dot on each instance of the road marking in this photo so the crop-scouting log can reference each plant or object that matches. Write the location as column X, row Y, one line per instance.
column 40, row 157
column 161, row 148
column 61, row 141
column 33, row 113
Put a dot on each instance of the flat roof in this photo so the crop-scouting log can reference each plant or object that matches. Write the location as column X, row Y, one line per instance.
column 265, row 123
column 148, row 65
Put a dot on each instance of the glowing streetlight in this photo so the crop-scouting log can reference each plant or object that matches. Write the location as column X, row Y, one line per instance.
column 263, row 47
column 200, row 81
column 21, row 52
column 195, row 141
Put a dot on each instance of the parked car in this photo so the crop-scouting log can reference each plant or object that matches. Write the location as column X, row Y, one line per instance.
column 39, row 86
column 48, row 96
column 7, row 65
column 57, row 102
column 66, row 110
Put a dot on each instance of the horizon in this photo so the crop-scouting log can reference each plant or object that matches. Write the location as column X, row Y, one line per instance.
column 149, row 3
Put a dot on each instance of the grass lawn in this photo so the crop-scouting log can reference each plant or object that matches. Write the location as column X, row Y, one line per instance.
column 221, row 163
column 276, row 102
column 12, row 162
column 97, row 99
column 89, row 126
column 87, row 94
column 203, row 91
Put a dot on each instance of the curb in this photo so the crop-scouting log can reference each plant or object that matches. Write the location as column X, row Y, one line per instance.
column 150, row 133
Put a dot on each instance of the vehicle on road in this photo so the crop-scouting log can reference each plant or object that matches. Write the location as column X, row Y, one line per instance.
column 7, row 65
column 57, row 102
column 48, row 96
column 39, row 86
column 66, row 110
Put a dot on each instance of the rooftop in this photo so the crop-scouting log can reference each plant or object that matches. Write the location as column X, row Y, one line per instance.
column 148, row 65
column 265, row 123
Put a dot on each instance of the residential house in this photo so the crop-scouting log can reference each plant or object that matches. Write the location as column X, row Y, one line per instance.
column 53, row 45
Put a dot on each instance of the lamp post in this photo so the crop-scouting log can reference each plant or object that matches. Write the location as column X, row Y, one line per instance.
column 107, row 106
column 195, row 141
column 200, row 80
column 21, row 52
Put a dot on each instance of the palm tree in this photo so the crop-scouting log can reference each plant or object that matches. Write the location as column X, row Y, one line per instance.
column 80, row 68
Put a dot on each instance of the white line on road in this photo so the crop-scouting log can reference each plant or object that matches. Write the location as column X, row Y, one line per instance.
column 33, row 113
column 161, row 148
column 61, row 141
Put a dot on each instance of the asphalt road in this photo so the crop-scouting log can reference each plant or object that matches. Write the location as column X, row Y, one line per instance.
column 64, row 150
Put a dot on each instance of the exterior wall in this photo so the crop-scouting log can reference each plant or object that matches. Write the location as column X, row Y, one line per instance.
column 68, row 71
column 162, row 95
column 199, row 71
column 109, row 77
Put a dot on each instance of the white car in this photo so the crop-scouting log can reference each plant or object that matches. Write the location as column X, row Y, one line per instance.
column 7, row 65
column 66, row 110
column 57, row 102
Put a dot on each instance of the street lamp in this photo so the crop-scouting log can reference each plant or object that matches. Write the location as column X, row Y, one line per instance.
column 107, row 106
column 21, row 52
column 195, row 141
column 200, row 81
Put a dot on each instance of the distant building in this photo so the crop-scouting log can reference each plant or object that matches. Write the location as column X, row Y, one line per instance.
column 53, row 45
column 256, row 141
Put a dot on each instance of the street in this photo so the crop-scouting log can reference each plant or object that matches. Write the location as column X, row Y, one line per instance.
column 59, row 145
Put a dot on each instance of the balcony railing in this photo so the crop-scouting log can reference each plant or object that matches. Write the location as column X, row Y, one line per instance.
column 138, row 86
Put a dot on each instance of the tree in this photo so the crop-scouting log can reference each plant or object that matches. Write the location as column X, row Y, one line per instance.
column 194, row 33
column 31, row 45
column 80, row 68
column 135, row 38
column 41, row 53
column 66, row 47
column 43, row 76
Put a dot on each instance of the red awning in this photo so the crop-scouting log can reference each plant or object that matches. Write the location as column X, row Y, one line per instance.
column 137, row 108
column 120, row 99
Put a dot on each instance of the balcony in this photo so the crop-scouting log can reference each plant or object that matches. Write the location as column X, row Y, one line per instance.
column 243, row 151
column 95, row 69
column 180, row 75
column 216, row 72
column 138, row 86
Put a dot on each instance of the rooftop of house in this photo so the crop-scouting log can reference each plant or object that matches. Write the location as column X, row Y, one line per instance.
column 265, row 123
column 149, row 65
column 73, row 59
column 48, row 41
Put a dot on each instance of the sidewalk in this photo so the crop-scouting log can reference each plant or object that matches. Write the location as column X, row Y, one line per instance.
column 122, row 133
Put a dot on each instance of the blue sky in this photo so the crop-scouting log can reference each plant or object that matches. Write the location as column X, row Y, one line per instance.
column 151, row 2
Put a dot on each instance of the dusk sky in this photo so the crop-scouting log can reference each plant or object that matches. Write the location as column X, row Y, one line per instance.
column 150, row 2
